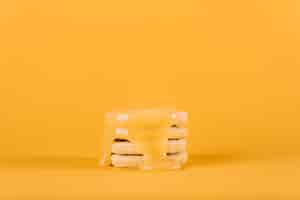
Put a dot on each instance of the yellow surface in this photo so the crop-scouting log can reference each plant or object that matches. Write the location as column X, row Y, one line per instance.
column 206, row 177
column 233, row 65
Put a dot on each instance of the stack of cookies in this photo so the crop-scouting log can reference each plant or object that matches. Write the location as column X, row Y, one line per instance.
column 124, row 153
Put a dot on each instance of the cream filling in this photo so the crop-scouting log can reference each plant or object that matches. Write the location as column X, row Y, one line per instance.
column 130, row 148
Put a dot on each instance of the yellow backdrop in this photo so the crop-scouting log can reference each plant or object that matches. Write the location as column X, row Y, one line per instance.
column 233, row 65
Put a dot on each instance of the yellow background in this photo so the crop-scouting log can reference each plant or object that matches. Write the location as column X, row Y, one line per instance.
column 233, row 65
